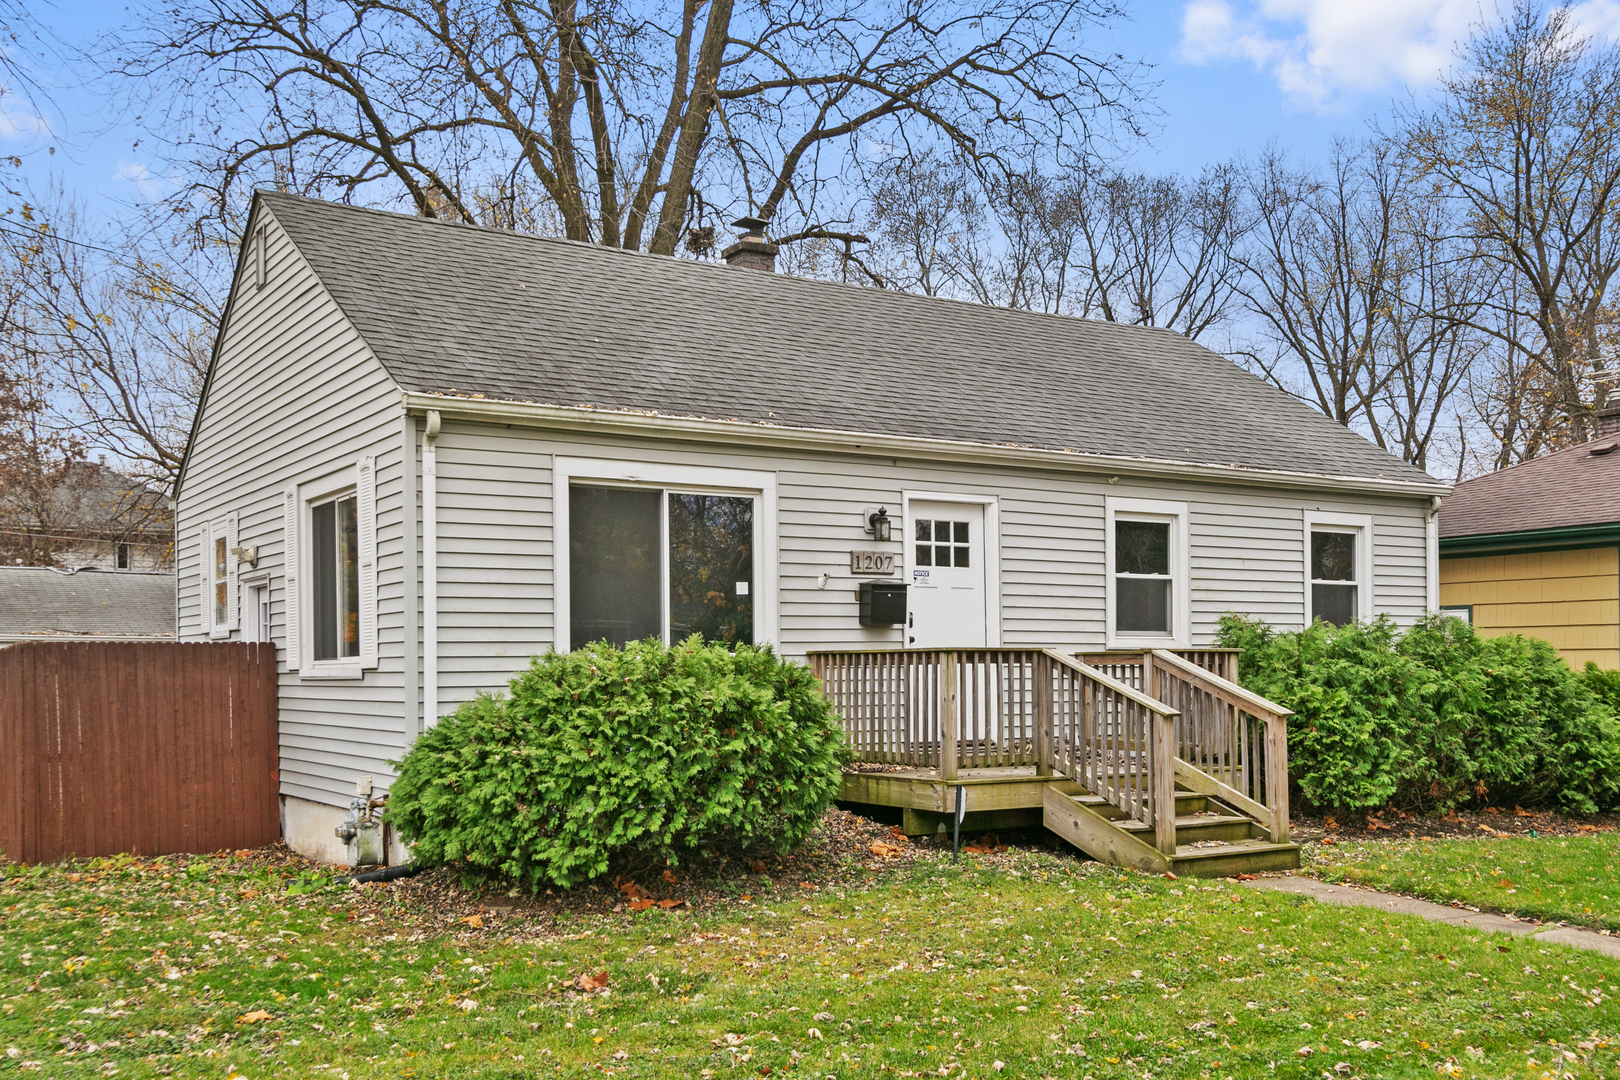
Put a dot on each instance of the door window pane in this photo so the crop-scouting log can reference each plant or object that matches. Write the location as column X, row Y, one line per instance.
column 1333, row 556
column 711, row 568
column 1142, row 605
column 925, row 551
column 615, row 569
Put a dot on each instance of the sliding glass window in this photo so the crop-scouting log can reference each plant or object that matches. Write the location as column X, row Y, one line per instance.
column 654, row 563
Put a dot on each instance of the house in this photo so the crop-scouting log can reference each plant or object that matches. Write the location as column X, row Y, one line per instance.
column 87, row 514
column 38, row 603
column 428, row 451
column 1535, row 549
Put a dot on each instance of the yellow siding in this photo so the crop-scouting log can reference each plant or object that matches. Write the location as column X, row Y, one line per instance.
column 1568, row 598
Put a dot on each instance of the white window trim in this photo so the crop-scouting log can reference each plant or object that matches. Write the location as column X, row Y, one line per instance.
column 221, row 528
column 992, row 550
column 1362, row 526
column 1175, row 513
column 312, row 493
column 566, row 470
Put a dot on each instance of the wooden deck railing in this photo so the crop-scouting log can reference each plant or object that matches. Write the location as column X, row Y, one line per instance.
column 1230, row 743
column 978, row 708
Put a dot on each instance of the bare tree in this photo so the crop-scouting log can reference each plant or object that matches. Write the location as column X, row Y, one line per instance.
column 627, row 121
column 1525, row 139
column 1366, row 304
column 122, row 337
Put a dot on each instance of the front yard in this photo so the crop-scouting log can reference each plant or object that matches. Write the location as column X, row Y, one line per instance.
column 1021, row 963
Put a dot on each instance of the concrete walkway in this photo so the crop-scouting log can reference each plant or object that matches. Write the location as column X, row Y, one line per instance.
column 1329, row 893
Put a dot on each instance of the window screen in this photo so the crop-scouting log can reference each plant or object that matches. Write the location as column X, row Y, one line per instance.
column 1333, row 577
column 711, row 568
column 1142, row 583
column 615, row 569
column 335, row 546
column 222, row 599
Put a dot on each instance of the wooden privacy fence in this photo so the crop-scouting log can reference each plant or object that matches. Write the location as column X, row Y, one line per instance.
column 149, row 748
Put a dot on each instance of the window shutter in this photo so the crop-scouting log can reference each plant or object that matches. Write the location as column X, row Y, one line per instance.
column 205, row 582
column 366, row 521
column 289, row 575
column 232, row 572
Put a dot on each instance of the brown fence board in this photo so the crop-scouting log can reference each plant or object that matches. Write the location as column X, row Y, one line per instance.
column 150, row 748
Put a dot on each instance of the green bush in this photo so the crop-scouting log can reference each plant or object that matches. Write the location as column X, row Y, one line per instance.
column 1605, row 684
column 1433, row 719
column 641, row 755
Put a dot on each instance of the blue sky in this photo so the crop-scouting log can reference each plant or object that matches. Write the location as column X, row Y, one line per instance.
column 1234, row 75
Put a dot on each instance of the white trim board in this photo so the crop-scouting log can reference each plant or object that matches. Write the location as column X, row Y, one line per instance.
column 992, row 550
column 1175, row 513
column 1362, row 526
column 565, row 470
column 603, row 421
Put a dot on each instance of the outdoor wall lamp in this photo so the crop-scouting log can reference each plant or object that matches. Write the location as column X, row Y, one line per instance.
column 878, row 524
column 247, row 555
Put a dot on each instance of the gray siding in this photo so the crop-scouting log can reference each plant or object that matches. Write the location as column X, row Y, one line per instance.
column 296, row 394
column 1246, row 545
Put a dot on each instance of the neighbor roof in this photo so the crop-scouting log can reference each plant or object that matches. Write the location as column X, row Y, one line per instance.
column 40, row 603
column 460, row 310
column 1572, row 488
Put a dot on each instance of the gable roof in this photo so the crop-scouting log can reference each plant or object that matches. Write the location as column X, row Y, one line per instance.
column 1571, row 489
column 39, row 603
column 458, row 310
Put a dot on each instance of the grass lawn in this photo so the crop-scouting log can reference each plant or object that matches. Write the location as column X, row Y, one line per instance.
column 1045, row 964
column 1574, row 878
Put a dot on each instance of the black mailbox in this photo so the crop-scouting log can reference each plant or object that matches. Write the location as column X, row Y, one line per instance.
column 883, row 603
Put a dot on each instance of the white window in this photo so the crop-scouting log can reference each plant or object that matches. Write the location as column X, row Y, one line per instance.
column 1147, row 573
column 663, row 551
column 257, row 252
column 1465, row 612
column 1338, row 567
column 330, row 538
column 218, row 574
column 256, row 611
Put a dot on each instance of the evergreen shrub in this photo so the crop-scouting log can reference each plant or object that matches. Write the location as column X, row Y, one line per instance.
column 1433, row 719
column 635, row 756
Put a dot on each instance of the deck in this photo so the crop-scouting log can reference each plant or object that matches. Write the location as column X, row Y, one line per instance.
column 1190, row 778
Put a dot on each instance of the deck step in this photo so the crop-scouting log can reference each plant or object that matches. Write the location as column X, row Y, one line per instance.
column 1208, row 845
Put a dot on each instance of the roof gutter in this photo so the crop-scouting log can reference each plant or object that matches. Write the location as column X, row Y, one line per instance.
column 613, row 422
column 1567, row 536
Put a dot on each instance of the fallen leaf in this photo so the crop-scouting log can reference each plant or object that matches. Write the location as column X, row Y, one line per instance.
column 1170, row 875
column 887, row 851
column 755, row 866
column 805, row 885
column 632, row 890
column 589, row 984
column 253, row 1017
column 1305, row 1051
column 670, row 876
column 1493, row 810
column 1504, row 884
column 474, row 921
column 248, row 894
column 898, row 833
column 1519, row 811
column 467, row 1005
column 1328, row 840
column 1242, row 877
column 641, row 904
column 1587, row 828
column 1330, row 822
column 243, row 853
column 746, row 896
column 669, row 904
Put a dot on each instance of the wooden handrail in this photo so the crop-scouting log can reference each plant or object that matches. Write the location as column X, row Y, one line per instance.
column 1230, row 692
column 1114, row 684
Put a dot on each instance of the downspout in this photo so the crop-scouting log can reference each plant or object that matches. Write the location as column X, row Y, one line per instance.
column 430, row 571
column 1431, row 537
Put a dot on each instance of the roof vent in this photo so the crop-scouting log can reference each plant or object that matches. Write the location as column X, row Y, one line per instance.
column 1599, row 451
column 751, row 251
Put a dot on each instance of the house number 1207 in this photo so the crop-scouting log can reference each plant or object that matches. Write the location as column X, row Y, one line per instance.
column 875, row 563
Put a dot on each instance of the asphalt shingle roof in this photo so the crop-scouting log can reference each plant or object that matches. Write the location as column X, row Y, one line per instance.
column 455, row 309
column 1569, row 488
column 116, row 603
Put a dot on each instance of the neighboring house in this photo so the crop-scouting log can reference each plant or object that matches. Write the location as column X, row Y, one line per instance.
column 90, row 516
column 86, row 605
column 428, row 451
column 1535, row 549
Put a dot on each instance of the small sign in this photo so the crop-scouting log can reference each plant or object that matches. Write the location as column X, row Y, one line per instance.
column 919, row 573
column 742, row 588
column 871, row 563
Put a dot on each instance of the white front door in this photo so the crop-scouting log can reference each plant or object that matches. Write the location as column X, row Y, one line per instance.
column 946, row 556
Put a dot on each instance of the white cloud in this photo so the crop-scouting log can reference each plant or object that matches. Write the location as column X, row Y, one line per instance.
column 1320, row 51
column 151, row 185
column 18, row 117
column 1598, row 18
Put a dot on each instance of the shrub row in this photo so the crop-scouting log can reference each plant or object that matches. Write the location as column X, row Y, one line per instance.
column 1435, row 718
column 642, row 754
